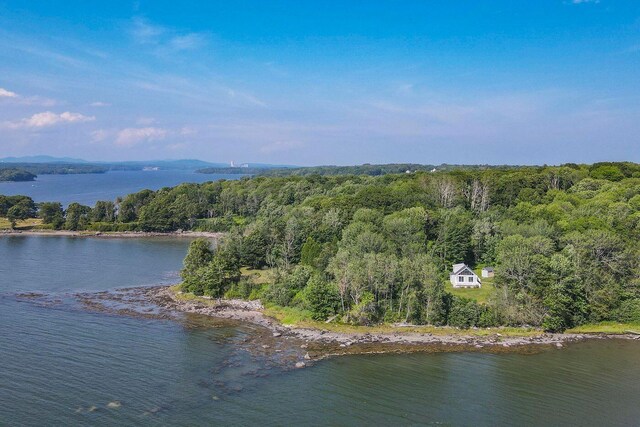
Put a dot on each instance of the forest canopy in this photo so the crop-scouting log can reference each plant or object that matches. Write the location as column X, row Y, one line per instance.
column 368, row 249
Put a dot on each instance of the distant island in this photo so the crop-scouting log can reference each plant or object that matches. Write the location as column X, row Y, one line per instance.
column 16, row 175
column 49, row 165
column 29, row 167
column 29, row 171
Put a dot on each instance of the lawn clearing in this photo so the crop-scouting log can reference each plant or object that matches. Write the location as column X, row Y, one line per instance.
column 27, row 224
column 606, row 328
column 479, row 294
column 258, row 277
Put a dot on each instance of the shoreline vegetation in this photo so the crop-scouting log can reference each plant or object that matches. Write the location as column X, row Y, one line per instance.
column 377, row 250
column 340, row 339
column 113, row 234
column 20, row 172
column 16, row 175
column 16, row 170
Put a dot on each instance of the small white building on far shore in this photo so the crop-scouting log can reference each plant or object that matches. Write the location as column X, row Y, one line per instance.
column 463, row 276
column 488, row 272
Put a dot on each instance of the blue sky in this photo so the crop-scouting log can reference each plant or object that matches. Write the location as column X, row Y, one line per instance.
column 518, row 82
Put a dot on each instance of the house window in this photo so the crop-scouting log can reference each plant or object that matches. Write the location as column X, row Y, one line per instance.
column 470, row 279
column 460, row 279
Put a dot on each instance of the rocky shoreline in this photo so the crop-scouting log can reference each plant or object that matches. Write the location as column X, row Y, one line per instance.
column 110, row 234
column 322, row 343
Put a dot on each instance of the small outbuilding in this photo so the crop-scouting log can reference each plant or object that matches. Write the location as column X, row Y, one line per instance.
column 463, row 276
column 487, row 272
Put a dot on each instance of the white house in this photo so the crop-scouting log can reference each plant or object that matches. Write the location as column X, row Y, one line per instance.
column 463, row 277
column 487, row 272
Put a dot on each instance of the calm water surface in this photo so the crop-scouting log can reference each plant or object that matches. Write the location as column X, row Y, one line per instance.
column 62, row 365
column 87, row 189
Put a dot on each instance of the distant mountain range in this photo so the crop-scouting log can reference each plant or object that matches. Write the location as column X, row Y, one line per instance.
column 41, row 159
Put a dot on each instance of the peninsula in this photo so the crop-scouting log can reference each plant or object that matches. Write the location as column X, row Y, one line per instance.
column 360, row 250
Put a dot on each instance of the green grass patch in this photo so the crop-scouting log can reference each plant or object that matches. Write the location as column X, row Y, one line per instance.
column 186, row 296
column 299, row 318
column 257, row 277
column 606, row 328
column 422, row 329
column 291, row 316
column 27, row 224
column 481, row 295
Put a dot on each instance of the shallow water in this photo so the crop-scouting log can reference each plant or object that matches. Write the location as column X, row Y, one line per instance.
column 63, row 365
column 87, row 189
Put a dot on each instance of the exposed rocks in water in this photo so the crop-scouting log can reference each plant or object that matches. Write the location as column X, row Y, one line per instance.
column 286, row 346
column 300, row 365
column 30, row 295
column 114, row 405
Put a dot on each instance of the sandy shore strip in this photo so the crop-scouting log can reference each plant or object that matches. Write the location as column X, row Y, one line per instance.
column 110, row 234
column 362, row 342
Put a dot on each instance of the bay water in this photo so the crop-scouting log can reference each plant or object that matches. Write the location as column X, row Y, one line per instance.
column 62, row 364
column 87, row 189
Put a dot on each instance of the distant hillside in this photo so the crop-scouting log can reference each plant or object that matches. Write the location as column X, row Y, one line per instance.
column 377, row 170
column 249, row 169
column 182, row 164
column 54, row 168
column 41, row 159
column 365, row 169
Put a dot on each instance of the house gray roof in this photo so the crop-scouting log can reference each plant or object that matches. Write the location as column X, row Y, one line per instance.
column 462, row 268
column 458, row 267
column 489, row 269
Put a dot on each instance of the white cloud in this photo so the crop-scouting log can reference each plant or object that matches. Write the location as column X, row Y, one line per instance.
column 144, row 32
column 100, row 104
column 584, row 1
column 49, row 118
column 27, row 100
column 165, row 39
column 7, row 93
column 134, row 136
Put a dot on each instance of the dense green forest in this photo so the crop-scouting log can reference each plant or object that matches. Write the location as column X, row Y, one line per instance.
column 53, row 168
column 15, row 174
column 364, row 249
